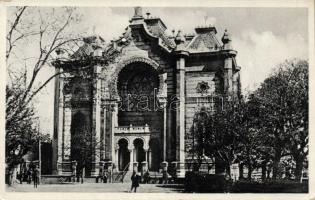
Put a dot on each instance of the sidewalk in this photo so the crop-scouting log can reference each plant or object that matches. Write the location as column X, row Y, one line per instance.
column 95, row 187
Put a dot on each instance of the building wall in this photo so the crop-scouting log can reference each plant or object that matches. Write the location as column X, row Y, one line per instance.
column 200, row 70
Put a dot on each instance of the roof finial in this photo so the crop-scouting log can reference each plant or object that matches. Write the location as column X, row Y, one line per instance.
column 148, row 14
column 205, row 18
column 138, row 12
column 226, row 40
column 179, row 37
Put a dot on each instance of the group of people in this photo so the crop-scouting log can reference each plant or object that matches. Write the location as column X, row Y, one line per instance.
column 31, row 174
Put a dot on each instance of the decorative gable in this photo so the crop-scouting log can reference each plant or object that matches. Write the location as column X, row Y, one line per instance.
column 204, row 41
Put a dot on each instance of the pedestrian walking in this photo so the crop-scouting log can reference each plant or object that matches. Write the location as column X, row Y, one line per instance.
column 135, row 179
column 35, row 177
column 29, row 176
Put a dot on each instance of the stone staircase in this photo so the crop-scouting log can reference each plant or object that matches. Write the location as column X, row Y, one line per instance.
column 122, row 177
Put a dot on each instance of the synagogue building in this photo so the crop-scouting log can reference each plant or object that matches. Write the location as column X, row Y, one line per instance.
column 130, row 103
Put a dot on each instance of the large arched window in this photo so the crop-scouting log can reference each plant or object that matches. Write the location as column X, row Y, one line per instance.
column 137, row 86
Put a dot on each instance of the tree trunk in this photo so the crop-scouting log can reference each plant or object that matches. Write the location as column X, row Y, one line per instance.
column 276, row 161
column 249, row 167
column 250, row 170
column 241, row 171
column 228, row 170
column 263, row 171
column 298, row 169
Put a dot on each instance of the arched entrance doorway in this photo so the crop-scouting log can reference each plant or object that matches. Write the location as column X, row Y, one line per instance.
column 155, row 155
column 139, row 152
column 81, row 150
column 124, row 155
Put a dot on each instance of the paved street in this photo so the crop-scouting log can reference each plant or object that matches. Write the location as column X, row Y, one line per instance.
column 95, row 187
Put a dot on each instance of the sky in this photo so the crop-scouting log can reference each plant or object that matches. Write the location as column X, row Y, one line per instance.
column 263, row 38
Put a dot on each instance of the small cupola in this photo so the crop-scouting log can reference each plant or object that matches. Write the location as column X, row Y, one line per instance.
column 205, row 29
column 137, row 16
column 180, row 38
column 226, row 40
column 138, row 13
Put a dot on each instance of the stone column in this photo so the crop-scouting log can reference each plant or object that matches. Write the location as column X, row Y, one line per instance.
column 116, row 155
column 60, row 108
column 131, row 159
column 114, row 123
column 104, row 134
column 146, row 155
column 67, row 129
column 164, row 130
column 135, row 158
column 96, row 119
column 149, row 159
column 144, row 165
column 135, row 166
column 162, row 95
column 228, row 77
column 180, row 115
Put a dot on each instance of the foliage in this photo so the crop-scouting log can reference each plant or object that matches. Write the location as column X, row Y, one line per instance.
column 284, row 112
column 19, row 134
column 260, row 130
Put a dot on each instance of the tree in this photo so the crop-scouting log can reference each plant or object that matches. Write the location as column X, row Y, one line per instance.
column 19, row 137
column 217, row 137
column 254, row 150
column 41, row 31
column 47, row 28
column 284, row 113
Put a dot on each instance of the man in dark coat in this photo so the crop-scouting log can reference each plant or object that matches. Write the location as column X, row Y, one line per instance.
column 35, row 177
column 135, row 179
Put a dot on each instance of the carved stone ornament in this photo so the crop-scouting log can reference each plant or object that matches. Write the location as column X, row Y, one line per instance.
column 202, row 87
column 67, row 88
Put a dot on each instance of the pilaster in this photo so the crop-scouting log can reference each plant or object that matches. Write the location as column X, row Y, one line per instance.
column 60, row 132
column 180, row 114
column 67, row 131
column 131, row 159
column 114, row 123
column 103, row 143
column 96, row 119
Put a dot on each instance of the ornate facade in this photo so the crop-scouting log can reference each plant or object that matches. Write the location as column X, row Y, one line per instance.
column 130, row 103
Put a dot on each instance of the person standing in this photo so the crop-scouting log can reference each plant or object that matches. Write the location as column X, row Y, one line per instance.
column 28, row 176
column 105, row 175
column 146, row 177
column 82, row 175
column 35, row 177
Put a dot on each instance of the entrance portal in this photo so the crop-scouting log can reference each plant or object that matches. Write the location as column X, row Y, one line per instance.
column 80, row 140
column 155, row 155
column 124, row 155
column 139, row 152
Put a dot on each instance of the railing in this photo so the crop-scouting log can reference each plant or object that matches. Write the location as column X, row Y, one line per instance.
column 134, row 129
column 122, row 174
